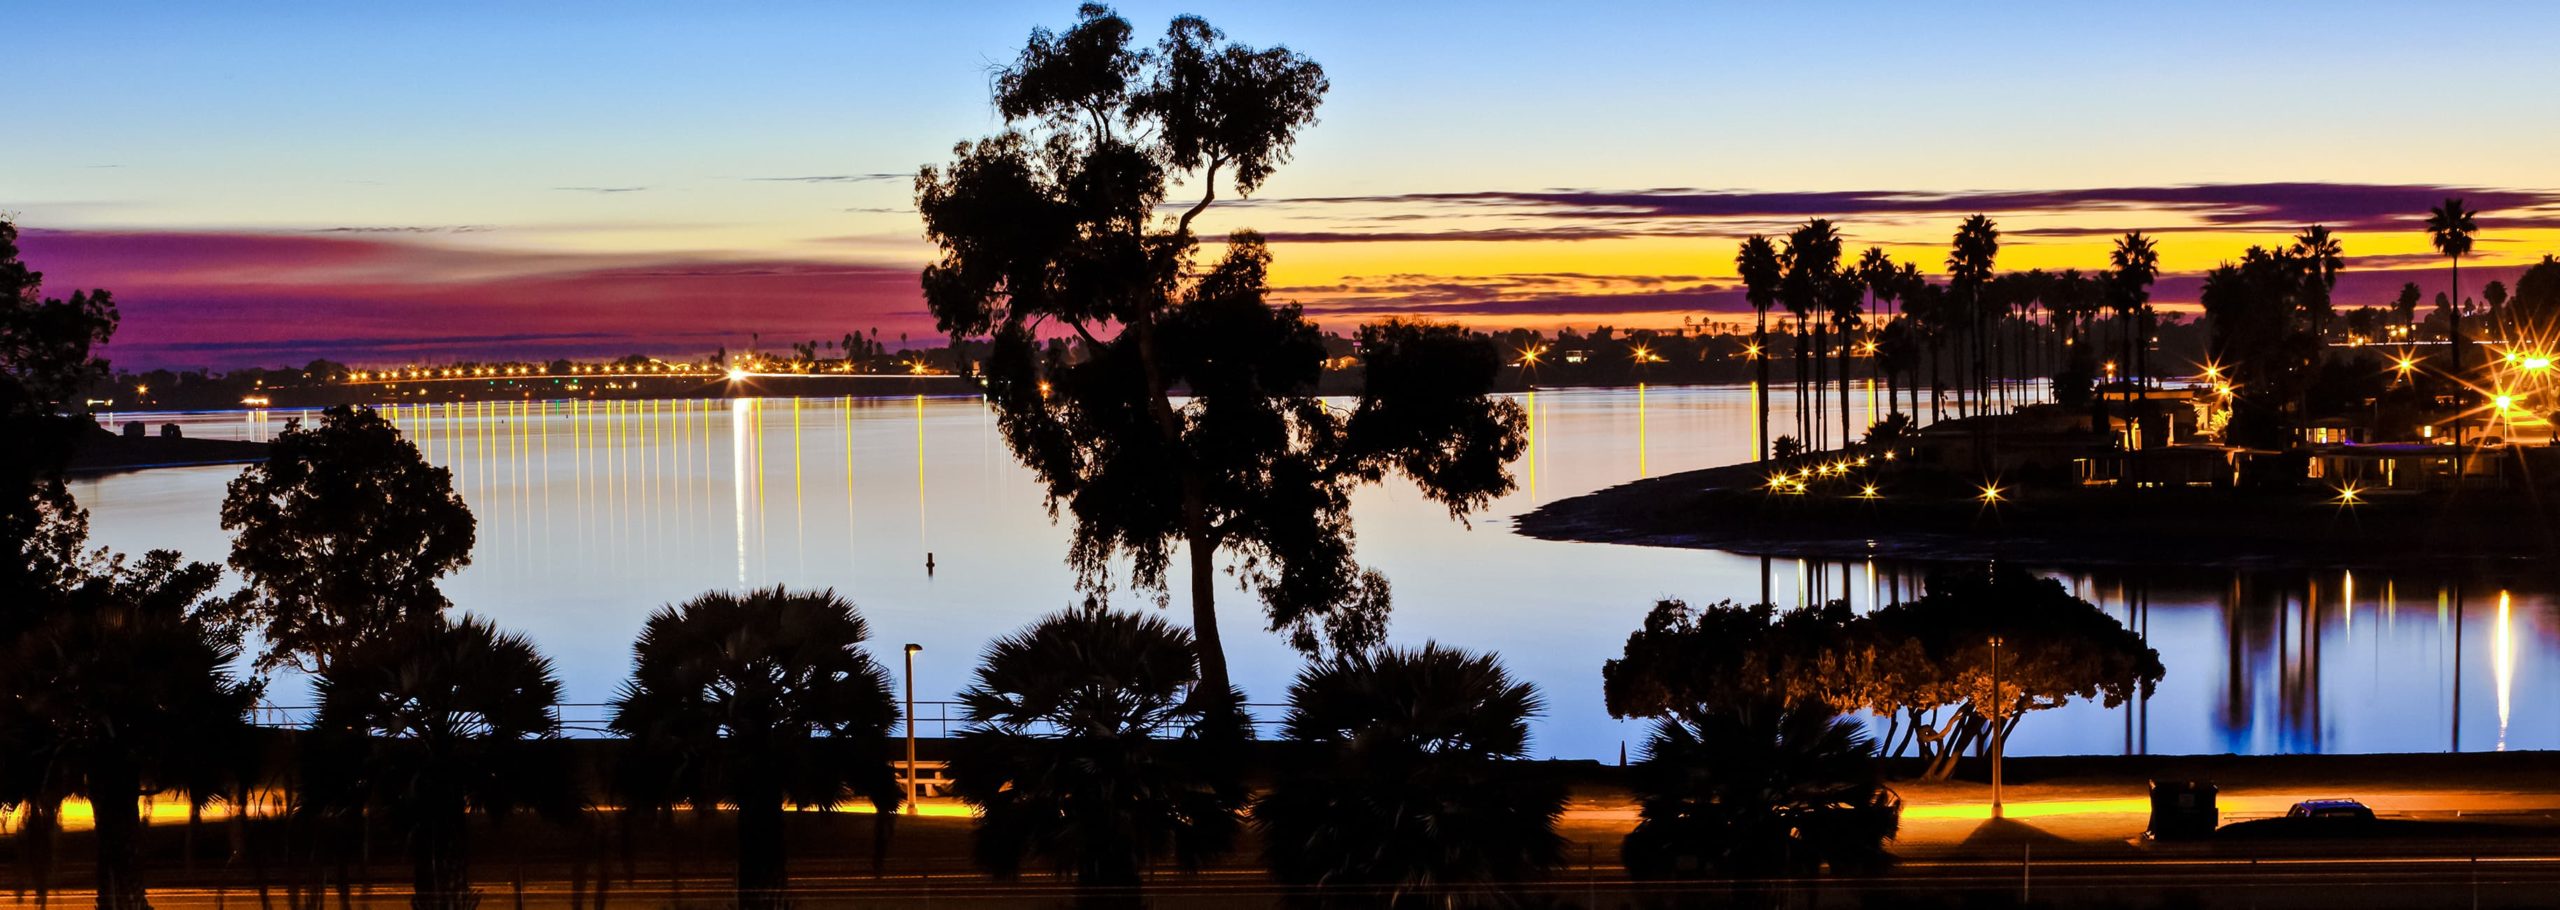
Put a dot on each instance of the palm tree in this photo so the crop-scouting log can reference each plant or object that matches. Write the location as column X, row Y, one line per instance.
column 1845, row 301
column 122, row 691
column 1771, row 792
column 1757, row 262
column 2406, row 307
column 2495, row 295
column 1405, row 781
column 1883, row 281
column 1082, row 751
column 758, row 699
column 2322, row 256
column 2449, row 227
column 433, row 720
column 1812, row 261
column 1969, row 264
column 2136, row 262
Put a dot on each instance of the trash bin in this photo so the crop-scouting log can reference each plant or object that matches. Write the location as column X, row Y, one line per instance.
column 2183, row 809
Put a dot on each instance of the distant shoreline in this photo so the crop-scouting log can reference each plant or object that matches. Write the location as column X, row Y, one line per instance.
column 1730, row 508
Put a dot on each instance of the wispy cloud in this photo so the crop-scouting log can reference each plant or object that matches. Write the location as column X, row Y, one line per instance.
column 600, row 189
column 833, row 178
column 408, row 229
column 1678, row 211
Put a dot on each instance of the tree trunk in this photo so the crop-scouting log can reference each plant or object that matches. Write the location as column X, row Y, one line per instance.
column 114, row 793
column 439, row 859
column 1760, row 362
column 762, row 882
column 1214, row 685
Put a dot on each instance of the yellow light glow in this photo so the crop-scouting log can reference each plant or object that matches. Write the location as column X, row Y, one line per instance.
column 1867, row 492
column 2349, row 494
column 737, row 374
column 1991, row 492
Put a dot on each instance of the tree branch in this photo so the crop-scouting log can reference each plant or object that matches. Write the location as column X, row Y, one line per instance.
column 1209, row 179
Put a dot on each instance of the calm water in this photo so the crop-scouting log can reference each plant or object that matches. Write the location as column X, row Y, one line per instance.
column 594, row 514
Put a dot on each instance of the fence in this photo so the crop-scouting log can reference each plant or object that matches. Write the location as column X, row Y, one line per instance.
column 933, row 719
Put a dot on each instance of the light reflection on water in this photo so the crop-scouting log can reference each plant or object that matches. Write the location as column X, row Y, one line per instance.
column 593, row 513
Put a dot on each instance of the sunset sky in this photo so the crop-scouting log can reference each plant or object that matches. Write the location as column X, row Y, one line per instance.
column 379, row 183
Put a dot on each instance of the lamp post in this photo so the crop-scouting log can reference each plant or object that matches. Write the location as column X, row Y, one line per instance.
column 1999, row 733
column 912, row 648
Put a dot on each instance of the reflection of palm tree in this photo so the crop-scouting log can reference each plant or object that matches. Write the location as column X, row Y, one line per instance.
column 758, row 699
column 1759, row 793
column 1077, row 753
column 2449, row 227
column 121, row 692
column 431, row 718
column 1757, row 262
column 1406, row 782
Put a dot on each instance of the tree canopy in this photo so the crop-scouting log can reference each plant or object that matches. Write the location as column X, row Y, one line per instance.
column 343, row 532
column 1187, row 415
column 1917, row 661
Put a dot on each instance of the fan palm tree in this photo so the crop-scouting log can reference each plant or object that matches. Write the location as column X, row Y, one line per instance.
column 1757, row 262
column 2321, row 257
column 124, row 690
column 1082, row 752
column 1404, row 784
column 432, row 720
column 1846, row 301
column 758, row 699
column 2136, row 263
column 1969, row 264
column 2450, row 227
column 1769, row 792
column 1812, row 266
column 1883, row 282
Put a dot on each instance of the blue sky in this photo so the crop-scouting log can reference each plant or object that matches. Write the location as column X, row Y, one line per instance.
column 589, row 136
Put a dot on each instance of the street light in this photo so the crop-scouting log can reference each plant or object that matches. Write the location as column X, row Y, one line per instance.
column 1999, row 735
column 912, row 648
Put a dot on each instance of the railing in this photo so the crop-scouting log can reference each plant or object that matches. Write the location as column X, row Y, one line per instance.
column 933, row 719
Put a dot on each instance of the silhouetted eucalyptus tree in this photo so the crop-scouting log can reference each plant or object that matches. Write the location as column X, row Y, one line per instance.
column 1082, row 752
column 758, row 699
column 342, row 533
column 46, row 357
column 432, row 720
column 1404, row 786
column 1189, row 415
column 119, row 690
column 1757, row 262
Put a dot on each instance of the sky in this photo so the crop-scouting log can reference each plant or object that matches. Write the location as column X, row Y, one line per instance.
column 267, row 183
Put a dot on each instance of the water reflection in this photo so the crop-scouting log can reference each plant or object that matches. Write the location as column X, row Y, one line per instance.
column 593, row 513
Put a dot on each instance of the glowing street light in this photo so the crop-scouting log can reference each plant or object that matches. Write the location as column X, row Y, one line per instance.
column 2349, row 494
column 1991, row 492
column 737, row 374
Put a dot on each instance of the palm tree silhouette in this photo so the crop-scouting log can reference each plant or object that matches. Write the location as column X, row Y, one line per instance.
column 121, row 690
column 1768, row 792
column 758, row 699
column 1757, row 262
column 1082, row 752
column 1812, row 260
column 1402, row 783
column 2322, row 256
column 1969, row 264
column 432, row 720
column 2406, row 306
column 2449, row 227
column 2136, row 262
